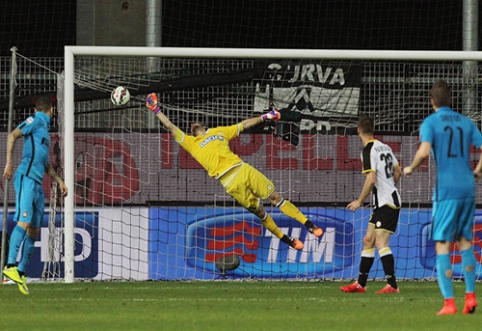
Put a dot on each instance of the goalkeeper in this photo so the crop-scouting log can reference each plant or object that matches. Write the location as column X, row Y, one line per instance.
column 210, row 147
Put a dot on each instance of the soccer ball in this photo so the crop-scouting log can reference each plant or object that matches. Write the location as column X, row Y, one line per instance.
column 120, row 96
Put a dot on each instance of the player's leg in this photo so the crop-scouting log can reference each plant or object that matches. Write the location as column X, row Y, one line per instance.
column 28, row 246
column 444, row 277
column 16, row 240
column 444, row 218
column 468, row 269
column 268, row 222
column 464, row 242
column 388, row 262
column 264, row 188
column 34, row 229
column 385, row 222
column 367, row 259
column 242, row 192
column 23, row 211
column 290, row 210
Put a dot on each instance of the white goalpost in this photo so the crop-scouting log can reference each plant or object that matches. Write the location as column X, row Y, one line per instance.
column 325, row 122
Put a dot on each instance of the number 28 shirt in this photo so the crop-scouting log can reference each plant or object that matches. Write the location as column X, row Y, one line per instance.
column 379, row 158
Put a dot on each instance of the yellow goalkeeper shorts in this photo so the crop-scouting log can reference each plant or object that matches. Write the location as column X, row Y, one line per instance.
column 248, row 186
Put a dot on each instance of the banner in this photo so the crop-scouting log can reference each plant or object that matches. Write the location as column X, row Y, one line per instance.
column 201, row 236
column 316, row 88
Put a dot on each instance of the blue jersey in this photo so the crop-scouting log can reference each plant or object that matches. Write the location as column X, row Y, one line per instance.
column 35, row 147
column 451, row 135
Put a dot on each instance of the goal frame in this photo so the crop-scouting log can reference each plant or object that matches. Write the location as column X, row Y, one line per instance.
column 235, row 53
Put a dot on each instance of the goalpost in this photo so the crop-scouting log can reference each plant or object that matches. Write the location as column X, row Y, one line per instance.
column 328, row 117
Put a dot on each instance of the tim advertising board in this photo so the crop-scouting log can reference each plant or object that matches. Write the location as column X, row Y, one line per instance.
column 211, row 234
column 264, row 255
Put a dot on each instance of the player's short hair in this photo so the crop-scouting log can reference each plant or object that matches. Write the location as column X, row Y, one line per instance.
column 197, row 124
column 43, row 104
column 366, row 124
column 440, row 94
column 201, row 124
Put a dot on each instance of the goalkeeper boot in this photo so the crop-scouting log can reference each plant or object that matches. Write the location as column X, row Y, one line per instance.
column 313, row 229
column 12, row 274
column 449, row 307
column 353, row 288
column 296, row 244
column 388, row 289
column 470, row 303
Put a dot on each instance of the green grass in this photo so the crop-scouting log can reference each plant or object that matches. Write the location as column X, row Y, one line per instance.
column 227, row 305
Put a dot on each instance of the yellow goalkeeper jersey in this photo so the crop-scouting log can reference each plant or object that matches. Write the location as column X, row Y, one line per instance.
column 212, row 150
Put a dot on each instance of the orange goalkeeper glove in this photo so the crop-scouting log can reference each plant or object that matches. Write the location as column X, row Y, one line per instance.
column 273, row 115
column 151, row 103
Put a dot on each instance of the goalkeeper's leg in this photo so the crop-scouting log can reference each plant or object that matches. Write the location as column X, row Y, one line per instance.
column 290, row 210
column 263, row 188
column 268, row 222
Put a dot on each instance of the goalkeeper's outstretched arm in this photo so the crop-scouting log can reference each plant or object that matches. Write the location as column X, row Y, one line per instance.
column 273, row 115
column 151, row 103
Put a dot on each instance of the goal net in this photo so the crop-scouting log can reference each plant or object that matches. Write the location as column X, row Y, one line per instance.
column 141, row 208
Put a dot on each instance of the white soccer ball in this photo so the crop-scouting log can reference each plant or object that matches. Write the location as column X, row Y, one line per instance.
column 120, row 96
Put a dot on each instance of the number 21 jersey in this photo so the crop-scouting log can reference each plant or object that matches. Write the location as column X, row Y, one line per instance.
column 451, row 135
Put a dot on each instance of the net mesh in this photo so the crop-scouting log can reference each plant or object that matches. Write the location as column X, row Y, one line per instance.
column 313, row 157
column 144, row 209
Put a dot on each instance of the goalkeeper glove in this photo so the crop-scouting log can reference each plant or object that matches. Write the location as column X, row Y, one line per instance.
column 273, row 115
column 151, row 103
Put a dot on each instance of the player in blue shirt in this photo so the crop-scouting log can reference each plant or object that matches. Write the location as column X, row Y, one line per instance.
column 449, row 135
column 30, row 198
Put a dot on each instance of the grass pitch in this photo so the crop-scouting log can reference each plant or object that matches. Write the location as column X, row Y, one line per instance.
column 229, row 305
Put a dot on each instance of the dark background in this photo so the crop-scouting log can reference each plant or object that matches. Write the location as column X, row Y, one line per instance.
column 41, row 29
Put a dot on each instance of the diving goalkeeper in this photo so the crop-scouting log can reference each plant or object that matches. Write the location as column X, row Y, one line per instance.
column 210, row 147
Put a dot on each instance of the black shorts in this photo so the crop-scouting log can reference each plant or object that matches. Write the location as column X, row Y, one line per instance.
column 385, row 218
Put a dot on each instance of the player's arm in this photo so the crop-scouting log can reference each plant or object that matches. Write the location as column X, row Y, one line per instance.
column 151, row 103
column 273, row 115
column 370, row 178
column 397, row 173
column 478, row 168
column 55, row 176
column 422, row 153
column 11, row 139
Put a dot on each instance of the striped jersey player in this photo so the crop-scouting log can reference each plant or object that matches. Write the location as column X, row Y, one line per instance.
column 378, row 157
column 382, row 172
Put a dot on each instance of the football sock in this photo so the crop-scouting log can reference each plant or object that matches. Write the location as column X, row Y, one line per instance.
column 292, row 211
column 27, row 249
column 309, row 224
column 444, row 267
column 286, row 240
column 388, row 263
column 269, row 224
column 16, row 239
column 367, row 258
column 468, row 262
